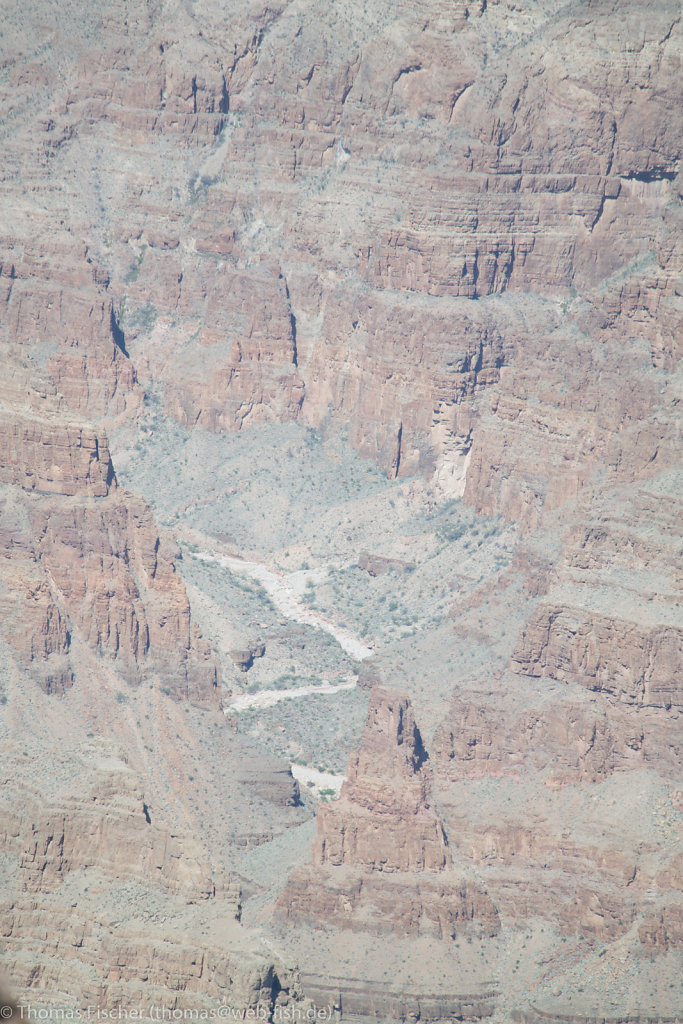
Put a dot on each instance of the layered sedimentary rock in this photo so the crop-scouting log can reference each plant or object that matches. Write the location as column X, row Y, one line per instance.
column 383, row 824
column 114, row 860
column 452, row 231
column 56, row 306
column 383, row 820
column 52, row 457
column 83, row 560
column 107, row 903
column 317, row 256
column 637, row 664
column 78, row 836
column 381, row 864
column 98, row 647
column 614, row 626
column 247, row 366
column 291, row 214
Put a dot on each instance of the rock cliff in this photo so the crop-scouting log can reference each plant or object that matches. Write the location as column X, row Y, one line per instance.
column 381, row 863
column 104, row 843
column 83, row 560
column 448, row 234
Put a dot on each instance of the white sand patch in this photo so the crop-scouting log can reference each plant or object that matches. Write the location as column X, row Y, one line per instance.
column 285, row 598
column 321, row 780
column 268, row 698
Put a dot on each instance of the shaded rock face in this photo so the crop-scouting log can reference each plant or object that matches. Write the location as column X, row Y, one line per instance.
column 383, row 820
column 106, row 842
column 243, row 657
column 453, row 230
column 81, row 560
column 381, row 845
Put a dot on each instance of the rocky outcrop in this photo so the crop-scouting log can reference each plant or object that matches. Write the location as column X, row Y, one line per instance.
column 248, row 369
column 243, row 657
column 635, row 663
column 381, row 864
column 101, row 575
column 275, row 230
column 82, row 560
column 117, row 886
column 608, row 619
column 269, row 779
column 568, row 741
column 378, row 565
column 383, row 820
column 57, row 308
column 103, row 844
column 142, row 963
column 53, row 842
column 115, row 966
column 116, row 579
column 565, row 740
column 402, row 907
column 359, row 997
column 53, row 458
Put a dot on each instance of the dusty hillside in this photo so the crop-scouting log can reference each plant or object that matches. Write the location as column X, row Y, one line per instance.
column 340, row 444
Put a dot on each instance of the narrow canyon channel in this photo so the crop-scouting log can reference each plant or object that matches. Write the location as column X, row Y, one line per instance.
column 288, row 602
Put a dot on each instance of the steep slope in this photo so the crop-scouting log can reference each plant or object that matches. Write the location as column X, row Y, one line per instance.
column 382, row 867
column 123, row 787
column 449, row 236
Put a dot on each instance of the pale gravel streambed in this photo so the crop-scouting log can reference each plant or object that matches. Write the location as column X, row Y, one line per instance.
column 288, row 602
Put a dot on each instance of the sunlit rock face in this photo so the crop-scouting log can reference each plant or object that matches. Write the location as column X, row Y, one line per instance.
column 449, row 235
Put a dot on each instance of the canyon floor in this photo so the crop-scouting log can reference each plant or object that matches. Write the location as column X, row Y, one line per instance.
column 341, row 641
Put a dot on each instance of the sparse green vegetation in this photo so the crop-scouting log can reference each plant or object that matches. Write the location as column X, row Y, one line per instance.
column 134, row 271
column 144, row 317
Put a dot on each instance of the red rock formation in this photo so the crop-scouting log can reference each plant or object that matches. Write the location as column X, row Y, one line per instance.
column 83, row 560
column 257, row 379
column 383, row 820
column 381, row 866
column 57, row 309
column 54, row 458
column 637, row 664
column 453, row 229
column 381, row 826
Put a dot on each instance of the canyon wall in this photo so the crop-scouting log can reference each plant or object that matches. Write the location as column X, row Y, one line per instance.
column 449, row 233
